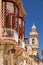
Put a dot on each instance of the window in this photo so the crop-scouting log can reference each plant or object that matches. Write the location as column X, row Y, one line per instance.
column 20, row 22
column 33, row 41
column 9, row 14
column 10, row 7
column 16, row 23
column 17, row 11
column 10, row 20
column 3, row 14
column 23, row 23
column 21, row 28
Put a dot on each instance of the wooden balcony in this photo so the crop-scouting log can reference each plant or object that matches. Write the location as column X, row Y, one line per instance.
column 8, row 33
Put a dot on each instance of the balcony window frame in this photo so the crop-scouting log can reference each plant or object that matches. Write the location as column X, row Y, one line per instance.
column 21, row 28
column 15, row 6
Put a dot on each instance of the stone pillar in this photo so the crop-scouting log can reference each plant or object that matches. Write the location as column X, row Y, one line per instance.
column 0, row 17
column 12, row 58
column 33, row 62
column 1, row 54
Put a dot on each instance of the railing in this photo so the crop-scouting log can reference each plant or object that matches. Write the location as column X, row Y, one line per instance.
column 9, row 33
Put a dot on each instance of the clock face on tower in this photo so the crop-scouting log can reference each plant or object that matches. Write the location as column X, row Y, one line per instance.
column 33, row 41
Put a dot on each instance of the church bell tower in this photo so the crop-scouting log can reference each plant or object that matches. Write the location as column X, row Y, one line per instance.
column 34, row 40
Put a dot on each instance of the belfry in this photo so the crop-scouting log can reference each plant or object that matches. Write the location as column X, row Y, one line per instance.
column 34, row 40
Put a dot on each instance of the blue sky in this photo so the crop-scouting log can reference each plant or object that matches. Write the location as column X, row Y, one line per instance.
column 34, row 10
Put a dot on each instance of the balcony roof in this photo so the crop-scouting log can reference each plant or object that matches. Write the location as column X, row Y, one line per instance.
column 21, row 8
column 19, row 3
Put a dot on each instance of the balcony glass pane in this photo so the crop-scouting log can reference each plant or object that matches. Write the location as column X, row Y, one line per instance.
column 3, row 14
column 16, row 11
column 10, row 7
column 20, row 22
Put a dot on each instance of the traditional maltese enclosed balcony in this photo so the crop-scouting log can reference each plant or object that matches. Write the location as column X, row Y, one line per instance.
column 20, row 48
column 11, row 25
column 9, row 20
column 10, row 36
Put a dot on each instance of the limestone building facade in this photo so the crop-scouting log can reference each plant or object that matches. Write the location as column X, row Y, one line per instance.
column 14, row 50
column 12, row 43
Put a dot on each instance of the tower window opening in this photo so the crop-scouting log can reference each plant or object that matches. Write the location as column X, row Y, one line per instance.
column 33, row 41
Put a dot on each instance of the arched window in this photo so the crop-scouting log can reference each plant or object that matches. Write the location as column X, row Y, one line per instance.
column 33, row 41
